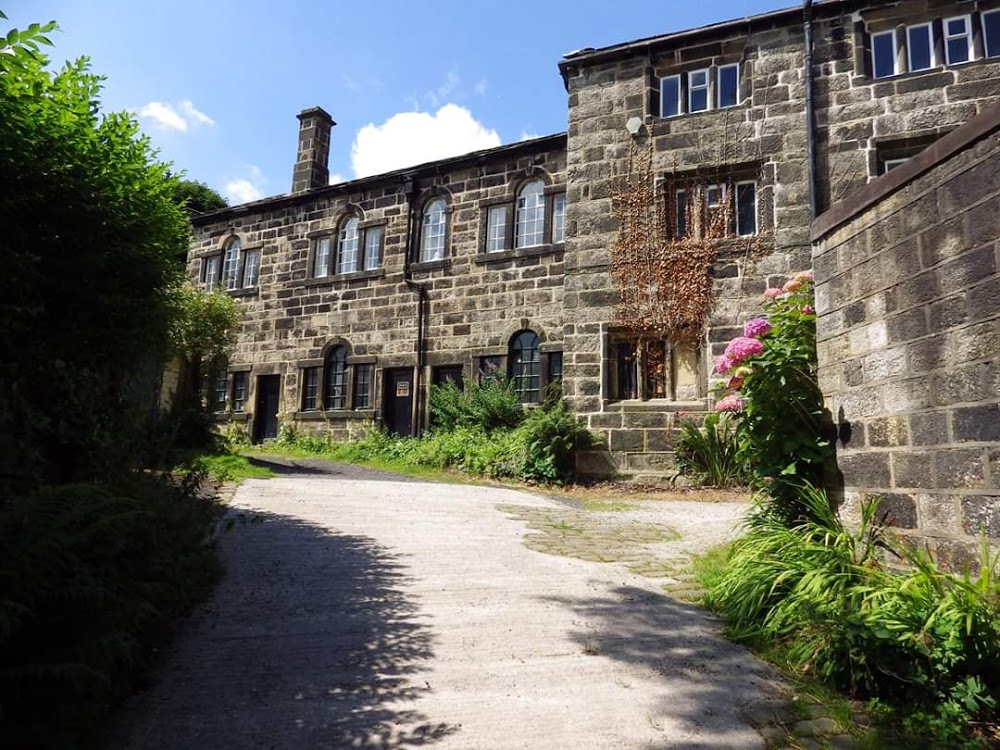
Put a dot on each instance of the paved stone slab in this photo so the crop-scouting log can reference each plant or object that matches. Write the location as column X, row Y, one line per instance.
column 366, row 613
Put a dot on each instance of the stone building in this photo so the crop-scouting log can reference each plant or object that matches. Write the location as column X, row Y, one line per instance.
column 361, row 294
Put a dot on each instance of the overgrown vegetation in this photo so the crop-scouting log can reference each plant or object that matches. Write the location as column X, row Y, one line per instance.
column 923, row 644
column 483, row 431
column 709, row 453
column 98, row 550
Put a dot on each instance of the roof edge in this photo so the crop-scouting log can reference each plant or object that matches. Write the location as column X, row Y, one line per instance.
column 418, row 170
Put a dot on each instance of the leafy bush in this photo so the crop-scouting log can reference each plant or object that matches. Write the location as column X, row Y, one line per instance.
column 489, row 406
column 709, row 454
column 92, row 576
column 547, row 443
column 783, row 430
column 924, row 642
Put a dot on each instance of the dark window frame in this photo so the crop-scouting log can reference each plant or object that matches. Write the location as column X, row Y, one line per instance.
column 335, row 386
column 239, row 390
column 524, row 366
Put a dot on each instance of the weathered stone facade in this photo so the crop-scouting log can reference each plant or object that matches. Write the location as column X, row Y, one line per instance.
column 908, row 297
column 474, row 301
column 718, row 109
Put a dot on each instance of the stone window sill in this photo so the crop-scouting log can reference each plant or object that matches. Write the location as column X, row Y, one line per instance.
column 524, row 252
column 320, row 415
column 375, row 273
column 251, row 292
column 229, row 416
column 429, row 265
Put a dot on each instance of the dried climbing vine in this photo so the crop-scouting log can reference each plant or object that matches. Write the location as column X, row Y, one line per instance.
column 666, row 247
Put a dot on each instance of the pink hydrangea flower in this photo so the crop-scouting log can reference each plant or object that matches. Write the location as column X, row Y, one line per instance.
column 792, row 285
column 772, row 293
column 756, row 327
column 732, row 402
column 808, row 310
column 723, row 364
column 742, row 347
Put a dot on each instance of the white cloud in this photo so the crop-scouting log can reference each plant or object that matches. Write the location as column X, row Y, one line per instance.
column 526, row 136
column 179, row 118
column 164, row 116
column 194, row 115
column 443, row 92
column 480, row 87
column 242, row 191
column 349, row 82
column 410, row 138
column 336, row 178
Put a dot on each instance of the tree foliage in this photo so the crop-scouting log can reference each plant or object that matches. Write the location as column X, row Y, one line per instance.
column 197, row 197
column 91, row 235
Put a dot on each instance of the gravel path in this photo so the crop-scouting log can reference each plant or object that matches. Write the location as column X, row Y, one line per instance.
column 372, row 611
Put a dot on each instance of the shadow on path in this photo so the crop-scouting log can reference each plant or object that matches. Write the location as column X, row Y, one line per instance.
column 287, row 466
column 309, row 642
column 711, row 682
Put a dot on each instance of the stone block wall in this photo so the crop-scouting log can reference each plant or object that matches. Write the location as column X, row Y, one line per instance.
column 476, row 302
column 908, row 298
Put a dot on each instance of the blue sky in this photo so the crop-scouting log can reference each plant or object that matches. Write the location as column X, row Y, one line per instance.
column 217, row 83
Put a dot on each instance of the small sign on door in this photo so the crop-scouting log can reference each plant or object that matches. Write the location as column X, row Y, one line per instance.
column 402, row 389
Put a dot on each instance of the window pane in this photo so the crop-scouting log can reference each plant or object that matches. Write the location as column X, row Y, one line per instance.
column 746, row 208
column 891, row 164
column 958, row 40
column 729, row 85
column 231, row 265
column 919, row 47
column 884, row 54
column 525, row 366
column 681, row 228
column 239, row 391
column 362, row 386
column 373, row 248
column 219, row 386
column 321, row 263
column 335, row 387
column 670, row 96
column 211, row 273
column 559, row 218
column 530, row 222
column 555, row 366
column 496, row 229
column 698, row 91
column 627, row 361
column 251, row 268
column 432, row 236
column 991, row 33
column 488, row 367
column 347, row 248
column 310, row 388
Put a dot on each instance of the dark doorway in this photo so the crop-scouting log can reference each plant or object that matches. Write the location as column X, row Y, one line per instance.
column 448, row 374
column 265, row 421
column 399, row 401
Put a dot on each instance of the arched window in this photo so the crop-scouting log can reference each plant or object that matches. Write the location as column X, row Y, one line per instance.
column 347, row 246
column 525, row 366
column 231, row 265
column 432, row 232
column 529, row 223
column 335, row 379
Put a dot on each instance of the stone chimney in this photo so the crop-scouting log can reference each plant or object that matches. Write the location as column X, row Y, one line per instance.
column 312, row 163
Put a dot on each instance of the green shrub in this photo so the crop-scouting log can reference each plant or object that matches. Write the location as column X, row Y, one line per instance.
column 925, row 642
column 709, row 454
column 92, row 576
column 547, row 442
column 489, row 406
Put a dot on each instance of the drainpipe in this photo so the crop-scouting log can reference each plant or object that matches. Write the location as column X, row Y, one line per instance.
column 421, row 290
column 807, row 13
